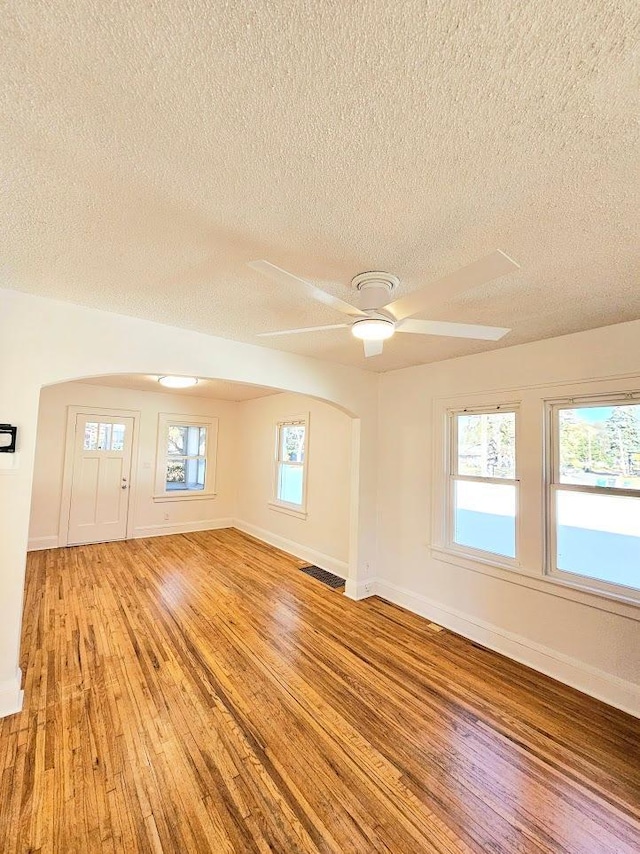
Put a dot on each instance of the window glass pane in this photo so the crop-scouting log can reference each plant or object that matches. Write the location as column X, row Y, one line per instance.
column 485, row 516
column 194, row 473
column 176, row 474
column 117, row 437
column 600, row 446
column 598, row 536
column 185, row 474
column 202, row 441
column 104, row 437
column 292, row 443
column 186, row 440
column 487, row 444
column 195, row 439
column 177, row 437
column 90, row 435
column 290, row 483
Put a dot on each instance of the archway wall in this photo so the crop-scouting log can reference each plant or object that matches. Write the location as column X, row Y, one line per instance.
column 45, row 341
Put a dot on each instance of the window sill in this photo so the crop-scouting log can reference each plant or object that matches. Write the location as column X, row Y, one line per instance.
column 603, row 600
column 484, row 558
column 288, row 509
column 185, row 496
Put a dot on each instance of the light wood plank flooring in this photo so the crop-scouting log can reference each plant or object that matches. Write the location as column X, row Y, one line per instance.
column 198, row 693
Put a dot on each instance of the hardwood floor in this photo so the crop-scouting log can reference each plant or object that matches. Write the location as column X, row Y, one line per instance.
column 197, row 693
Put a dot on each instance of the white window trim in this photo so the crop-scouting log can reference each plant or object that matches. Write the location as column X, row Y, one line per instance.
column 553, row 486
column 297, row 510
column 451, row 451
column 211, row 423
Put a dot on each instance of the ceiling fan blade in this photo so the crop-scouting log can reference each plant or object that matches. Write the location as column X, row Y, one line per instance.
column 372, row 348
column 483, row 270
column 315, row 293
column 304, row 329
column 452, row 330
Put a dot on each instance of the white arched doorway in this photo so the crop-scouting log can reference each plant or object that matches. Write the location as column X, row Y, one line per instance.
column 57, row 342
column 88, row 488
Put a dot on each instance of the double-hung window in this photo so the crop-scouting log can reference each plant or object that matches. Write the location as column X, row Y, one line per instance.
column 483, row 484
column 291, row 464
column 186, row 457
column 594, row 493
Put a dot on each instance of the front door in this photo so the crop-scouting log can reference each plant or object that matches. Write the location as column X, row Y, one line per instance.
column 100, row 484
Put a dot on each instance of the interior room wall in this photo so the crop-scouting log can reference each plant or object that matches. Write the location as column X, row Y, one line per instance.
column 322, row 537
column 150, row 518
column 44, row 341
column 579, row 638
column 244, row 469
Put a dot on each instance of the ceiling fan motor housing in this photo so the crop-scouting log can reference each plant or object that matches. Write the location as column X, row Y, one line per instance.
column 376, row 288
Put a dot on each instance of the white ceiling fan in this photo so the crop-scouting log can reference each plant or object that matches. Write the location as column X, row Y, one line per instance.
column 379, row 319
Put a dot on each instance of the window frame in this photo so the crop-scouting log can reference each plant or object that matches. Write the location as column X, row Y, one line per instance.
column 553, row 485
column 297, row 510
column 166, row 420
column 451, row 477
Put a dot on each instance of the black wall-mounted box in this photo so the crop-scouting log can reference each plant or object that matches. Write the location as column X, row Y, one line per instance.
column 8, row 439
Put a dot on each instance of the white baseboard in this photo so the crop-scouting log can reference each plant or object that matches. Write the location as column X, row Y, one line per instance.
column 161, row 530
column 590, row 680
column 11, row 695
column 37, row 544
column 360, row 589
column 165, row 528
column 332, row 564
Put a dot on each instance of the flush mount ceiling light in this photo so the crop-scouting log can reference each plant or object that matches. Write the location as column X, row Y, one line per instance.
column 177, row 382
column 373, row 329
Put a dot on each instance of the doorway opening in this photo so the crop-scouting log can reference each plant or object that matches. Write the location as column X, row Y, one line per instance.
column 120, row 457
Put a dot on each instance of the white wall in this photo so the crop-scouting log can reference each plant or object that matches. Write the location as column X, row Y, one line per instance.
column 583, row 639
column 44, row 341
column 244, row 471
column 148, row 516
column 323, row 537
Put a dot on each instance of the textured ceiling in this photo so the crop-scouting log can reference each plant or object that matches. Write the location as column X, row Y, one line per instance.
column 151, row 149
column 217, row 389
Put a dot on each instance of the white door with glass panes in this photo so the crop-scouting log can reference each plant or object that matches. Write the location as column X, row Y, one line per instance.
column 100, row 482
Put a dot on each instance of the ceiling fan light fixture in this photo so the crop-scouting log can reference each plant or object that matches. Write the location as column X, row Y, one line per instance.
column 378, row 319
column 373, row 329
column 177, row 382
